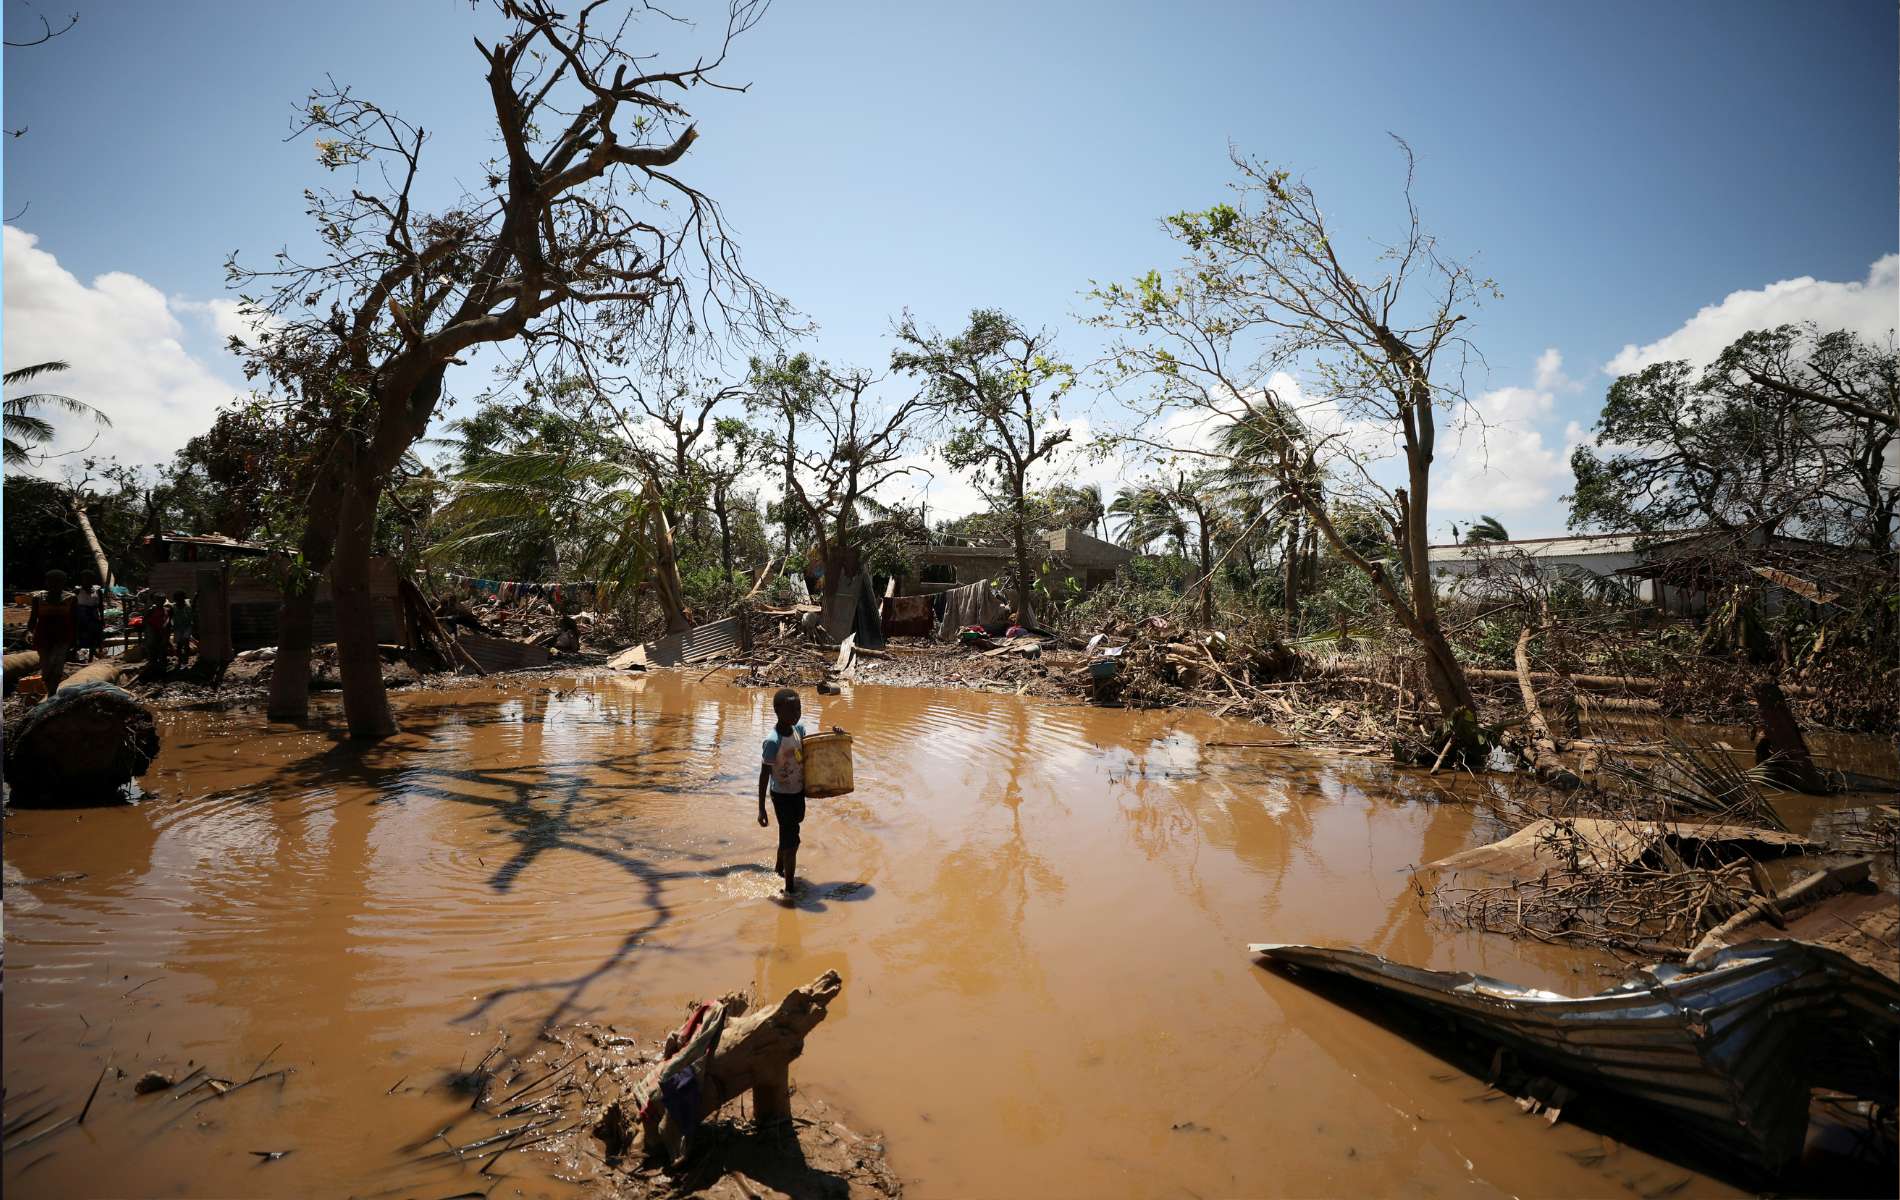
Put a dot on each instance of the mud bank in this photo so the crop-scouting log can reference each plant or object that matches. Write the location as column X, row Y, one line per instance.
column 1039, row 911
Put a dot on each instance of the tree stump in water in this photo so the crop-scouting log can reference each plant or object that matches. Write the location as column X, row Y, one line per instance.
column 1782, row 749
column 80, row 745
column 751, row 1053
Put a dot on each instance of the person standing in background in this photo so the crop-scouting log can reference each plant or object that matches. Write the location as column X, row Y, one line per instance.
column 51, row 624
column 89, row 611
column 183, row 623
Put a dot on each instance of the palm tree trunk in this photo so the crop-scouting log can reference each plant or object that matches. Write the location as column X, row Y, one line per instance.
column 92, row 541
column 1290, row 568
column 1021, row 529
column 1207, row 577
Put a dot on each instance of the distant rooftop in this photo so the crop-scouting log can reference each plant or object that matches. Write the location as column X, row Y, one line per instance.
column 1568, row 546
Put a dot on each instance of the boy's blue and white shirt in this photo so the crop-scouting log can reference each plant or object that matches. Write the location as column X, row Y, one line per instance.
column 788, row 770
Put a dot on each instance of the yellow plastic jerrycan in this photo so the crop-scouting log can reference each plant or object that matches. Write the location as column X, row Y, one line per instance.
column 827, row 765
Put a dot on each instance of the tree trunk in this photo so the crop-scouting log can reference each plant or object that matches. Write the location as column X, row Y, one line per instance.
column 1207, row 576
column 19, row 665
column 1446, row 673
column 296, row 616
column 1290, row 568
column 92, row 541
column 725, row 532
column 1024, row 614
column 1782, row 749
column 791, row 484
column 666, row 569
column 1569, row 716
column 754, row 1054
column 358, row 658
column 1543, row 753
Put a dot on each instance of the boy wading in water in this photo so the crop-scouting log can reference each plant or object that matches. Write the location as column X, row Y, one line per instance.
column 784, row 772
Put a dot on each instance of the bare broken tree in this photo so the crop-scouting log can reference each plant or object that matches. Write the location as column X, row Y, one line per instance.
column 855, row 444
column 577, row 243
column 1263, row 289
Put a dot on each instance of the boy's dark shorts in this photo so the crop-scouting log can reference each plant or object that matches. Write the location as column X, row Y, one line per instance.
column 790, row 811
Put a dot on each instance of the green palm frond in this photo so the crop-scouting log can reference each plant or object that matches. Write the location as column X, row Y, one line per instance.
column 596, row 510
column 23, row 374
column 1487, row 528
column 24, row 429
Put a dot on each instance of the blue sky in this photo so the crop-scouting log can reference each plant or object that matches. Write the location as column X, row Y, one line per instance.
column 1617, row 168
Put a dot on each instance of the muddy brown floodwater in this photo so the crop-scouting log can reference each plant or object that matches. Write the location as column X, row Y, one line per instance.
column 1046, row 989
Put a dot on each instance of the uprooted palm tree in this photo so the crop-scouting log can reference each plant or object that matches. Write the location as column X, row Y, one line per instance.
column 25, row 429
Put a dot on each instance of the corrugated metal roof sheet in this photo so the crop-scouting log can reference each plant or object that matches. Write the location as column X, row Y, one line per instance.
column 1731, row 1051
column 702, row 641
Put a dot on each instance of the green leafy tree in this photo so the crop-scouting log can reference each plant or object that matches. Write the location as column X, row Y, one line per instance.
column 1783, row 432
column 837, row 441
column 997, row 386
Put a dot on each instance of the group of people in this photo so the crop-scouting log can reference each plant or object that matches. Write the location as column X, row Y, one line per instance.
column 65, row 626
column 165, row 626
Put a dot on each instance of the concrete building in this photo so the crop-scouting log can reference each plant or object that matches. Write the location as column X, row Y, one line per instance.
column 1675, row 572
column 1090, row 560
column 1475, row 568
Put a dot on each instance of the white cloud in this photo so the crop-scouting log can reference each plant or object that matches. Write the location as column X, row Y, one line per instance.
column 122, row 337
column 1500, row 463
column 1550, row 373
column 1867, row 307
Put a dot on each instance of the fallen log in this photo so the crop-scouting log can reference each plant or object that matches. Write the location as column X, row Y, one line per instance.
column 1542, row 751
column 1639, row 684
column 1588, row 683
column 1642, row 704
column 19, row 666
column 82, row 744
column 730, row 1055
column 106, row 670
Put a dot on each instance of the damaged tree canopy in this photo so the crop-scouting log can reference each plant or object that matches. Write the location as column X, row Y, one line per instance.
column 1728, row 1054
